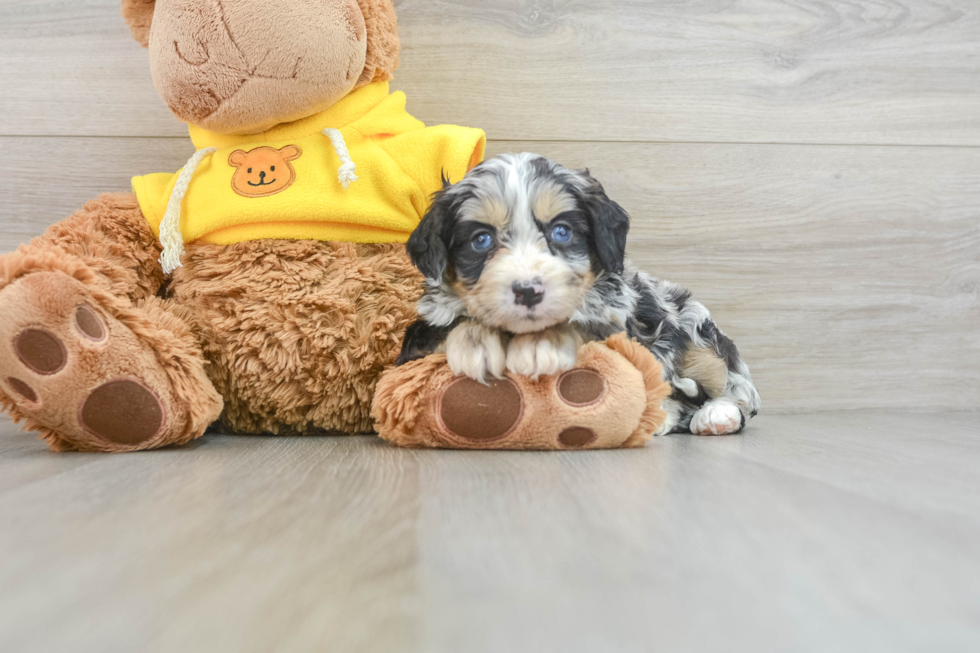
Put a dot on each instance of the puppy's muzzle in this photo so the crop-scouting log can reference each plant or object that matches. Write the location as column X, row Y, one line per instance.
column 528, row 294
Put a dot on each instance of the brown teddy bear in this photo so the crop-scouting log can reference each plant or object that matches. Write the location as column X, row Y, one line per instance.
column 264, row 283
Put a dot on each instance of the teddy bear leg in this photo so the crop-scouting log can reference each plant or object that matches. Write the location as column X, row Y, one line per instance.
column 86, row 358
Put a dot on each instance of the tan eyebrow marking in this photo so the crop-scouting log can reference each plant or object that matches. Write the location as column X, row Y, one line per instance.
column 487, row 210
column 552, row 200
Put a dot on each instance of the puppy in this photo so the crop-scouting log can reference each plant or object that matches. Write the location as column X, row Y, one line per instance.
column 525, row 260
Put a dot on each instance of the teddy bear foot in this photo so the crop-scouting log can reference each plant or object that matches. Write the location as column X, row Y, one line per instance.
column 612, row 399
column 79, row 375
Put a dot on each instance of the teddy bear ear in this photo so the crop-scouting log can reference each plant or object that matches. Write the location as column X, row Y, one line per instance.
column 138, row 14
column 382, row 41
column 237, row 158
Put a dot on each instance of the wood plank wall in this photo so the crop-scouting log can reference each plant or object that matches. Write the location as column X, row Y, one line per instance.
column 811, row 170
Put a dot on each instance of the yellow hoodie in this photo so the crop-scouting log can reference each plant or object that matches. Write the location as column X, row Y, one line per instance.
column 297, row 180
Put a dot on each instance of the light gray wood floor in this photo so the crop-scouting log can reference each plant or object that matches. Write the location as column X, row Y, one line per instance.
column 832, row 532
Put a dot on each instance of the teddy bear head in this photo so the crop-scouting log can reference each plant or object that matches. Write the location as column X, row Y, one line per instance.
column 244, row 66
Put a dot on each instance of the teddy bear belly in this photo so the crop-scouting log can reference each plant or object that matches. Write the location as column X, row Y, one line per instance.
column 296, row 333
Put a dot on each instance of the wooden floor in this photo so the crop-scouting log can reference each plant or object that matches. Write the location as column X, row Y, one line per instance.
column 834, row 532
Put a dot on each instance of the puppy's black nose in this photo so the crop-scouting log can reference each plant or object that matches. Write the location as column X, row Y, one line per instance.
column 527, row 294
column 262, row 175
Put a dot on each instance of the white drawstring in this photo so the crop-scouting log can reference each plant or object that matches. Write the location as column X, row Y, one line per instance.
column 346, row 174
column 170, row 236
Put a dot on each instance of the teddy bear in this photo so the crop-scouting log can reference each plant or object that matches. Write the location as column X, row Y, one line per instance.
column 265, row 285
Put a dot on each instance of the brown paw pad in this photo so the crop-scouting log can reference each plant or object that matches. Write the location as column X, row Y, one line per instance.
column 581, row 387
column 122, row 411
column 479, row 412
column 41, row 351
column 89, row 324
column 577, row 436
column 24, row 390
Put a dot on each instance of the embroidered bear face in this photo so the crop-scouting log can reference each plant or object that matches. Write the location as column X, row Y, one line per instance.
column 263, row 171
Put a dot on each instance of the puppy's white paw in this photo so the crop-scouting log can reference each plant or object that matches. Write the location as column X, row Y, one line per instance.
column 542, row 354
column 476, row 351
column 717, row 417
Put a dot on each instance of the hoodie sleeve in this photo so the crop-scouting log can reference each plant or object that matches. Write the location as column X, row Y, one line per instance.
column 429, row 154
column 153, row 193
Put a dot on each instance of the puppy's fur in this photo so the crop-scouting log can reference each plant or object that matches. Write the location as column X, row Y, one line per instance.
column 525, row 261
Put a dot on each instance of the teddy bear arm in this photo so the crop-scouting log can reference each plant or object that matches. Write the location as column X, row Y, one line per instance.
column 110, row 236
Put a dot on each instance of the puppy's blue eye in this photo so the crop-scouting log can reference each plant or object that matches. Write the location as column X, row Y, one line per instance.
column 561, row 234
column 482, row 241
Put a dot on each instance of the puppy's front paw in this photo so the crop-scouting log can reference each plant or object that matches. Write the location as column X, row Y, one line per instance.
column 542, row 354
column 717, row 417
column 476, row 351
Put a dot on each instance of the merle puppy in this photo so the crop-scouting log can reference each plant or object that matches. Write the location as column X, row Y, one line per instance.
column 525, row 261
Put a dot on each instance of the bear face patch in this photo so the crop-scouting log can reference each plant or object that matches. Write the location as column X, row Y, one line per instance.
column 263, row 171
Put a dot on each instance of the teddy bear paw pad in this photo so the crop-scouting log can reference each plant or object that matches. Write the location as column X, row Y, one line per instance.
column 89, row 324
column 40, row 351
column 24, row 390
column 123, row 411
column 581, row 387
column 481, row 413
column 576, row 437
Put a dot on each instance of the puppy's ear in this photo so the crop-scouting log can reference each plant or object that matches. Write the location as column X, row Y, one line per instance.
column 610, row 225
column 427, row 245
